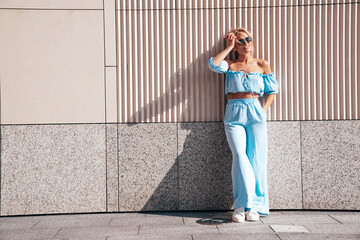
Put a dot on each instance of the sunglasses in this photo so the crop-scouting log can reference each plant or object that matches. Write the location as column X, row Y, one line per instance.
column 242, row 41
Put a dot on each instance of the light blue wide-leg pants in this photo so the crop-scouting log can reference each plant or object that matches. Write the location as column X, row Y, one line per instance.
column 246, row 132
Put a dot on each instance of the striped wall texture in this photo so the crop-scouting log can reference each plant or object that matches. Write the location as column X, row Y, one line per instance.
column 163, row 47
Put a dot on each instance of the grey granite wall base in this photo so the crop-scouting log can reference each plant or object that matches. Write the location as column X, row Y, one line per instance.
column 148, row 172
column 331, row 164
column 204, row 167
column 52, row 169
column 284, row 165
column 73, row 168
column 112, row 168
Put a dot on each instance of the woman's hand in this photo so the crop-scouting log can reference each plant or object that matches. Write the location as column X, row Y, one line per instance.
column 230, row 40
column 269, row 99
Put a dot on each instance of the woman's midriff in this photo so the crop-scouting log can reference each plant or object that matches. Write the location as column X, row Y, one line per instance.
column 238, row 95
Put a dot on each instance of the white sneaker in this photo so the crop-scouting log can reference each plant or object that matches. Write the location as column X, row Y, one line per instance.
column 239, row 215
column 252, row 215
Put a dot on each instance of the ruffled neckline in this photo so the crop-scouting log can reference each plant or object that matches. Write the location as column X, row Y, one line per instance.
column 250, row 73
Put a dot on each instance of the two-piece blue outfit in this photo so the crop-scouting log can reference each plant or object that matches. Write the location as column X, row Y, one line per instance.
column 246, row 132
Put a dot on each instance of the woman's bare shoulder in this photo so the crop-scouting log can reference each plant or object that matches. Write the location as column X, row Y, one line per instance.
column 265, row 65
column 229, row 61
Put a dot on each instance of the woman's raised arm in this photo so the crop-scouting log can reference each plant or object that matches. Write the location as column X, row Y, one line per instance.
column 230, row 41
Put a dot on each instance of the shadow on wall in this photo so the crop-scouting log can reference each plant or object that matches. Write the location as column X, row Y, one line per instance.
column 202, row 169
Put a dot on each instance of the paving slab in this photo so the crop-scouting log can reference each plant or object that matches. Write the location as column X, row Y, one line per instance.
column 347, row 218
column 13, row 223
column 318, row 213
column 26, row 234
column 289, row 228
column 79, row 238
column 298, row 219
column 247, row 236
column 169, row 230
column 145, row 219
column 272, row 213
column 229, row 213
column 152, row 237
column 180, row 225
column 306, row 236
column 333, row 228
column 198, row 214
column 65, row 221
column 100, row 232
column 246, row 227
column 190, row 220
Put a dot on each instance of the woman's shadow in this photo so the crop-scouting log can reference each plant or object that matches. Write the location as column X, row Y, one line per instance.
column 200, row 177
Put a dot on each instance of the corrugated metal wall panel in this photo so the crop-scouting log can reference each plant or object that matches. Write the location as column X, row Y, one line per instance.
column 164, row 46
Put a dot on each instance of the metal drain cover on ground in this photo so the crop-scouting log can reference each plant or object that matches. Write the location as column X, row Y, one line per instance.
column 213, row 221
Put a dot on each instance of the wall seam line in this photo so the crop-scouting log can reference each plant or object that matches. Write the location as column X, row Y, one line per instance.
column 0, row 151
column 177, row 163
column 106, row 168
column 118, row 163
column 104, row 38
column 117, row 107
column 106, row 127
column 301, row 167
column 0, row 163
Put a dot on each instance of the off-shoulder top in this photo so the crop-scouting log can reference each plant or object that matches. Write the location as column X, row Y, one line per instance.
column 241, row 81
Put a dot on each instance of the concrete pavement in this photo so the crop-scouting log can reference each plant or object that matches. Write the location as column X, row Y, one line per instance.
column 183, row 225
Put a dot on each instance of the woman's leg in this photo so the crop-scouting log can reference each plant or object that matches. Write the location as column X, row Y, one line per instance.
column 243, row 178
column 257, row 154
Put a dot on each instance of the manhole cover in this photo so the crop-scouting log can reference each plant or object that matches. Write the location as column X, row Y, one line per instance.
column 213, row 221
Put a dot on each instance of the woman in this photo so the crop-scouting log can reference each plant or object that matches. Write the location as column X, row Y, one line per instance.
column 247, row 79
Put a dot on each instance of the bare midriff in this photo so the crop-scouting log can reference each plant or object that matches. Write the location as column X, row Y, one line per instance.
column 238, row 95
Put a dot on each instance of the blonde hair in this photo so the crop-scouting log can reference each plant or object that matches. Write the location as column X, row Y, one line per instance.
column 237, row 30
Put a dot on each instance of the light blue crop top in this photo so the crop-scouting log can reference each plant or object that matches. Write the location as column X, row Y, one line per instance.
column 241, row 81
